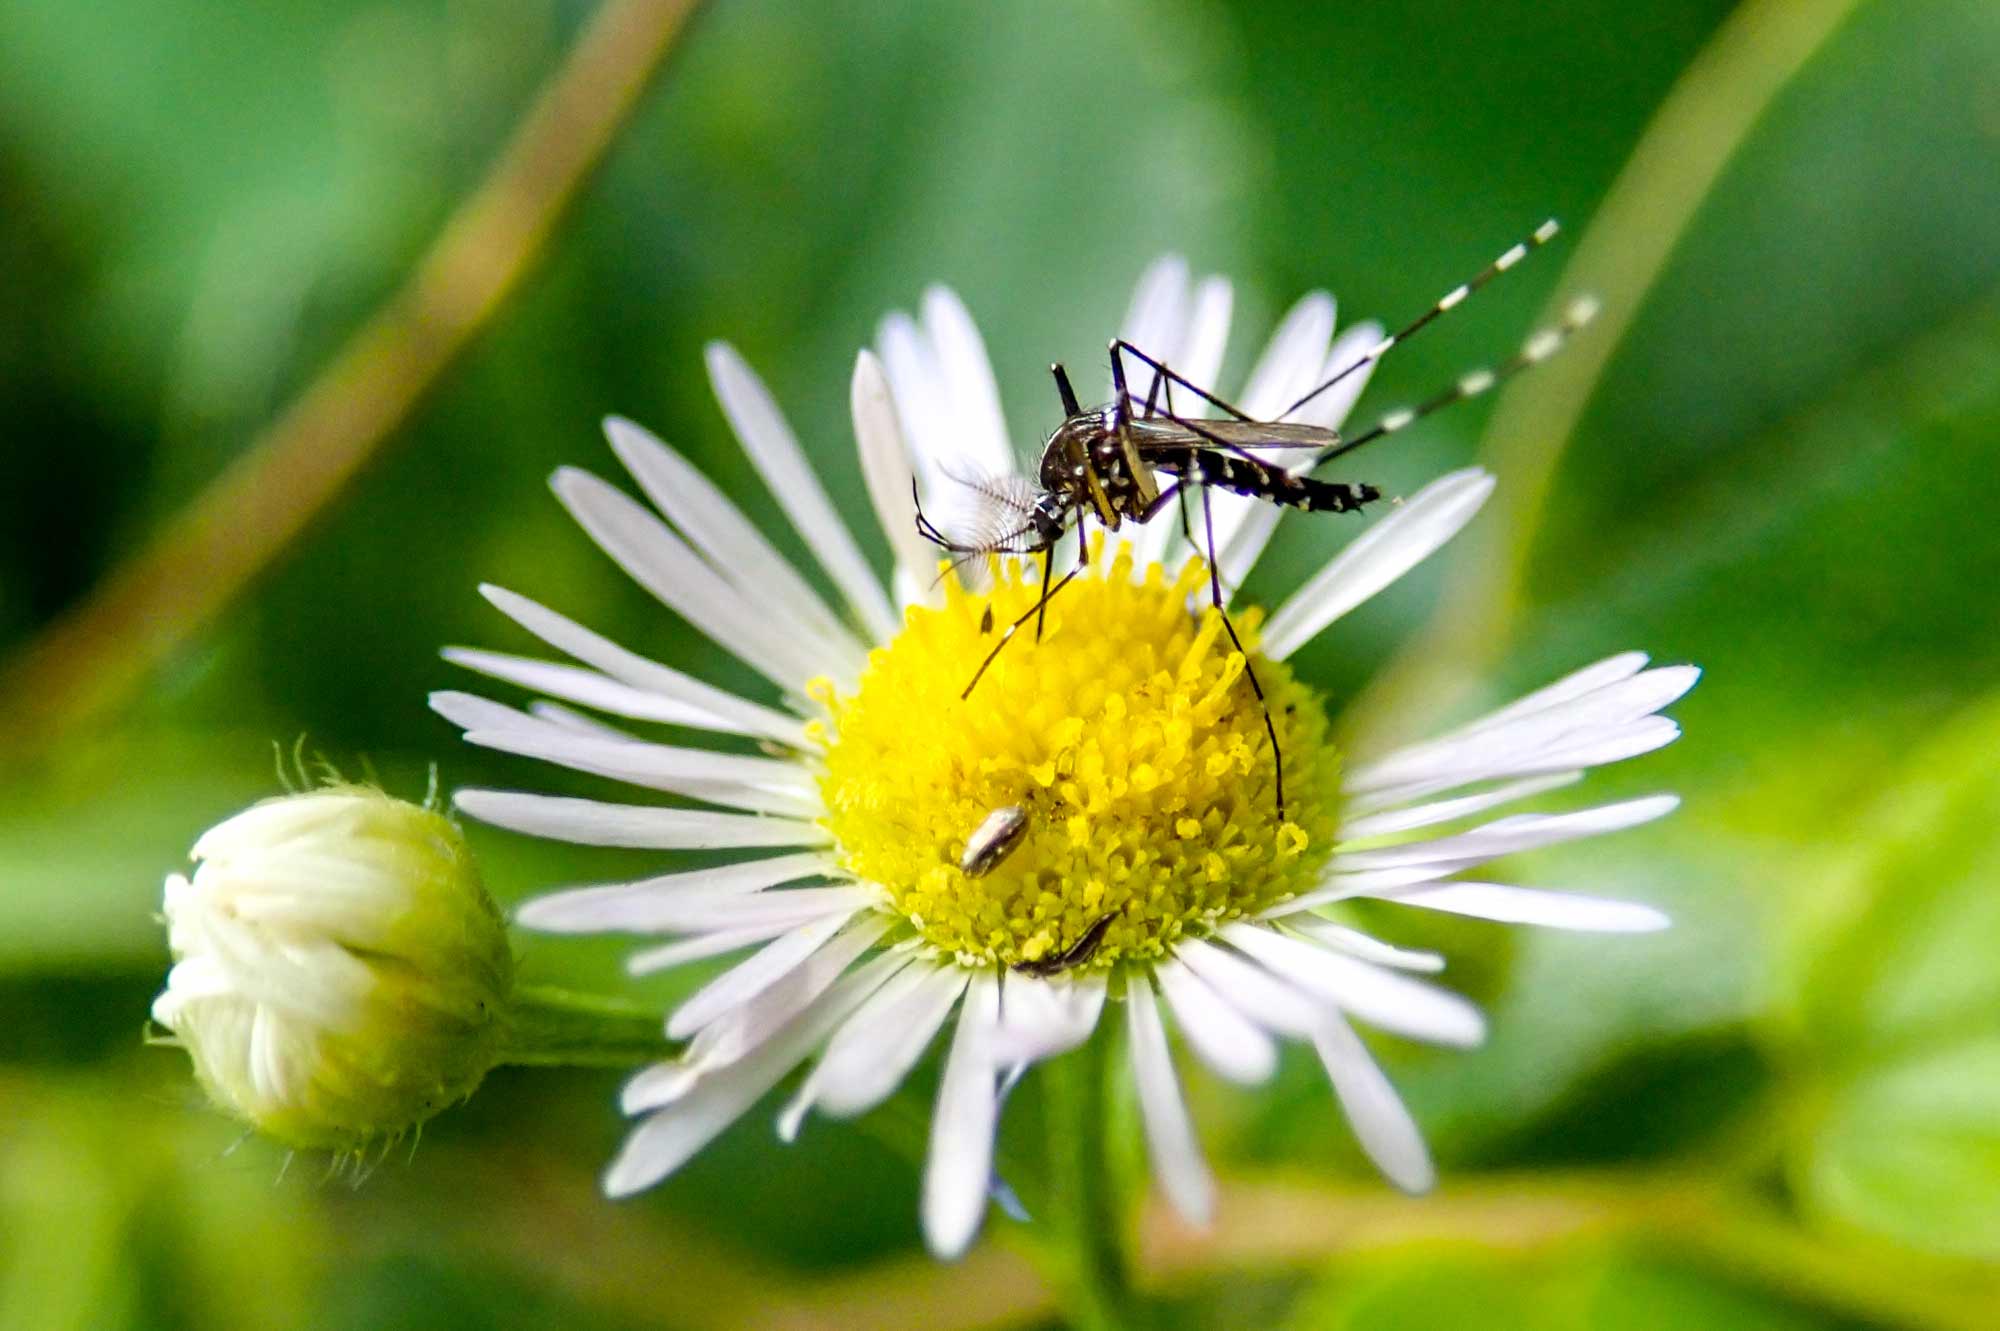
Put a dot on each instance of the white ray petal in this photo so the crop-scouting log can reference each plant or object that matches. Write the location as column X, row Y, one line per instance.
column 1383, row 998
column 645, row 826
column 1365, row 946
column 968, row 378
column 1383, row 1126
column 1170, row 1137
column 1292, row 359
column 1453, row 770
column 728, row 712
column 769, row 441
column 960, row 1163
column 657, row 560
column 1377, row 557
column 886, row 467
column 700, row 947
column 666, row 1139
column 1576, row 684
column 786, row 791
column 1330, row 409
column 872, row 1053
column 1252, row 990
column 916, row 383
column 1223, row 1038
column 1527, row 905
column 648, row 905
column 739, row 1031
column 581, row 685
column 1040, row 1018
column 1513, row 835
column 1156, row 320
column 751, row 977
column 1445, row 811
column 1206, row 341
column 734, row 547
column 1509, row 743
column 704, row 910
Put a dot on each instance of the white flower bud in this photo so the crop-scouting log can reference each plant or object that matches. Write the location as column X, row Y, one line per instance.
column 340, row 973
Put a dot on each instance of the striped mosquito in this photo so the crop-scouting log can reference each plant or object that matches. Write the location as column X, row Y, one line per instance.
column 1127, row 460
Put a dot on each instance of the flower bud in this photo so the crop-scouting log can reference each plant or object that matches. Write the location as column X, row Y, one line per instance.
column 340, row 974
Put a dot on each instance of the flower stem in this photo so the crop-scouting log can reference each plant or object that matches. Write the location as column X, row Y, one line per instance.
column 550, row 1027
column 1089, row 1214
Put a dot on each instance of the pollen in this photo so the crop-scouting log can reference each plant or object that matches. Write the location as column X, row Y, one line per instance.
column 1127, row 734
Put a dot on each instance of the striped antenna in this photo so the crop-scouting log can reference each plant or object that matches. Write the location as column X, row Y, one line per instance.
column 1451, row 299
column 1539, row 347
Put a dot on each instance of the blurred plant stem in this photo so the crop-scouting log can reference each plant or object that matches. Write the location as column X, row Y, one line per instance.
column 1084, row 1245
column 1691, row 139
column 90, row 659
column 558, row 1028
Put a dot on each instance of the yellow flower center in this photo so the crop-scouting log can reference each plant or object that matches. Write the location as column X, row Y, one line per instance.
column 1128, row 738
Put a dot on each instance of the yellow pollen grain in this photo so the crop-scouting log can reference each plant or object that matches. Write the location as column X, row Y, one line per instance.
column 1128, row 735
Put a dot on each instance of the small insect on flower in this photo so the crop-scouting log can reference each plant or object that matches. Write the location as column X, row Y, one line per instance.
column 993, row 840
column 1128, row 459
column 1076, row 954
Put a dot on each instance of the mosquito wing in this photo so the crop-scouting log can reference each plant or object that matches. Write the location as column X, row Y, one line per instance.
column 1175, row 434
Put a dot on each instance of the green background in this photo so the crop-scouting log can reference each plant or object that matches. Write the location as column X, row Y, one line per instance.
column 1785, row 1113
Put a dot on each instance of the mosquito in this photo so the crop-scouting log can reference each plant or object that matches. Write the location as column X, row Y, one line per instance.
column 1127, row 460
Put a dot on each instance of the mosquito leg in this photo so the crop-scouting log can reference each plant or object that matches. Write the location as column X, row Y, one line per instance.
column 1007, row 635
column 1249, row 671
column 1042, row 601
column 1228, row 409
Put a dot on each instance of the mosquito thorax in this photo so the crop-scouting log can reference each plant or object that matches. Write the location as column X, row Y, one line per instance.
column 1125, row 739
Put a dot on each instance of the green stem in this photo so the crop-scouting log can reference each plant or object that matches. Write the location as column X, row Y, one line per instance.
column 1089, row 1220
column 550, row 1027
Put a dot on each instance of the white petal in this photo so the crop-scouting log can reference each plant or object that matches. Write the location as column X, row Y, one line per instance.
column 1511, row 836
column 916, row 382
column 656, row 559
column 1207, row 340
column 751, row 977
column 1222, row 1037
column 1377, row 557
column 1382, row 1125
column 1444, row 811
column 770, row 443
column 1365, row 946
column 1462, row 766
column 1330, row 409
column 1609, row 718
column 704, row 910
column 1170, row 1138
column 871, row 1054
column 885, row 466
column 1251, row 990
column 648, row 905
column 579, row 685
column 1156, row 320
column 960, row 1163
column 758, row 785
column 1342, row 886
column 1040, row 1018
column 733, row 546
column 968, row 378
column 1379, row 997
column 665, row 1140
column 742, row 1029
column 1292, row 359
column 1527, row 905
column 728, row 711
column 700, row 947
column 1591, row 678
column 592, row 823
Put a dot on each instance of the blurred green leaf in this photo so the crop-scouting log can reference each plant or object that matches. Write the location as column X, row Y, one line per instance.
column 1911, row 1149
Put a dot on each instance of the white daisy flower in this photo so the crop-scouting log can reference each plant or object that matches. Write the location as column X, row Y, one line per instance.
column 1151, row 856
